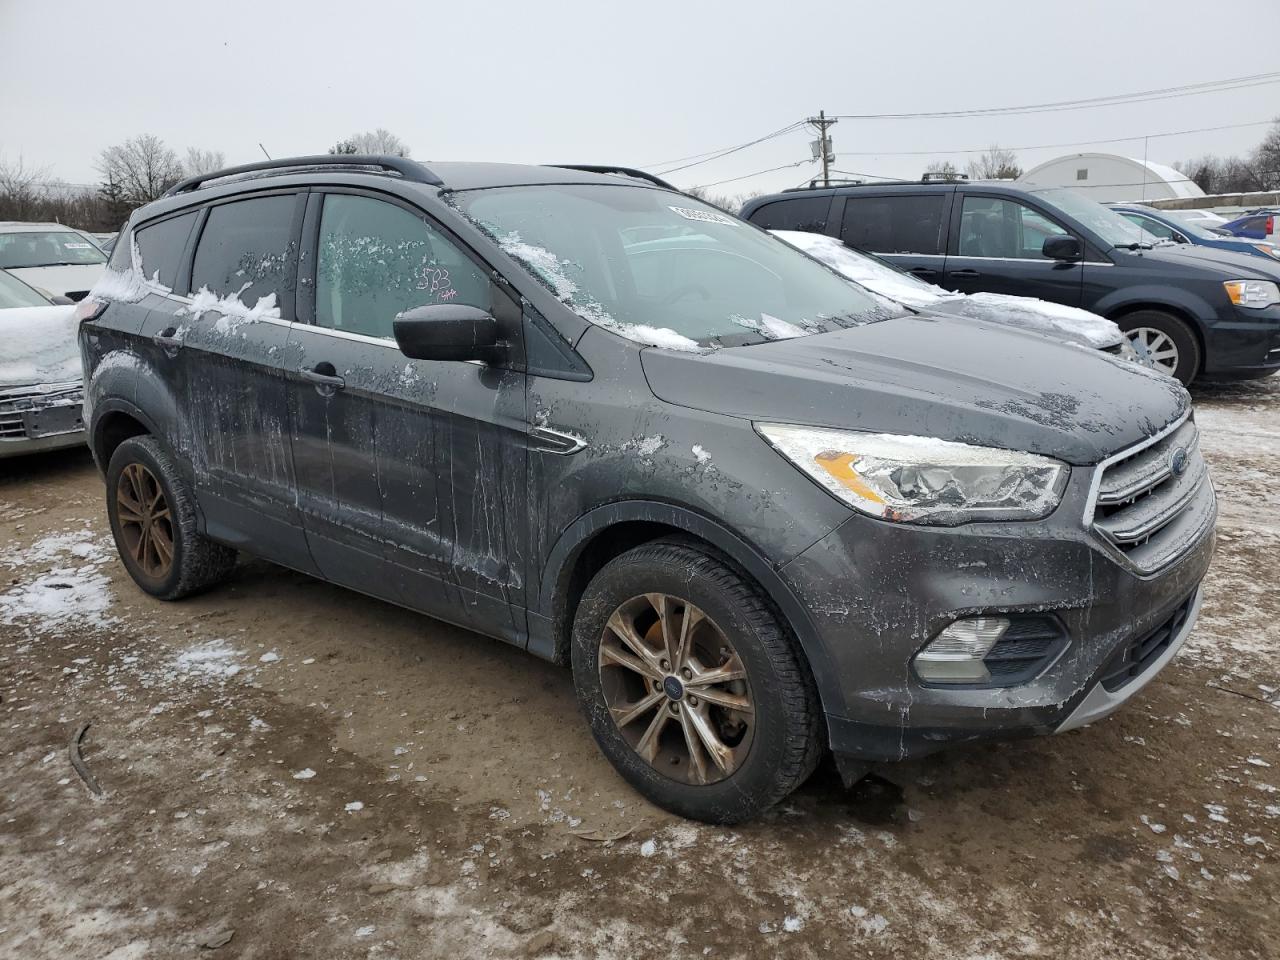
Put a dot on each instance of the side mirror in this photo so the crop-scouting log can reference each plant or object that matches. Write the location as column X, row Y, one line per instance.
column 448, row 332
column 1062, row 248
column 1179, row 238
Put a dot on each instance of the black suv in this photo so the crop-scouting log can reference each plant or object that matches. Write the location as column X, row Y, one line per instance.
column 758, row 510
column 1189, row 311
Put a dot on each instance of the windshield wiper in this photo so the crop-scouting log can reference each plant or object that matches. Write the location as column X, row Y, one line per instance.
column 1133, row 246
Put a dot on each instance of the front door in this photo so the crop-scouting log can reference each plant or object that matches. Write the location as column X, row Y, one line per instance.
column 995, row 247
column 411, row 473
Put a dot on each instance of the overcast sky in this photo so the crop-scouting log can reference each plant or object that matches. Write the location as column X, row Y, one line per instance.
column 594, row 82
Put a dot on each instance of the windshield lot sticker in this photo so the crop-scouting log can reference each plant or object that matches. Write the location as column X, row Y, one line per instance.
column 77, row 246
column 702, row 216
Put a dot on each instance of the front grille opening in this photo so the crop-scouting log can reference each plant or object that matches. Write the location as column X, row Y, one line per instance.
column 1135, row 657
column 1144, row 503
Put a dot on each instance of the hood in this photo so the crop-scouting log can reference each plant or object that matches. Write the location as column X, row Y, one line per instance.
column 40, row 346
column 65, row 280
column 1070, row 324
column 964, row 380
column 1214, row 262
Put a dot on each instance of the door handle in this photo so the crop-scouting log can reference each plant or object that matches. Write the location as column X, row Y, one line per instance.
column 323, row 376
column 168, row 339
column 965, row 274
column 924, row 273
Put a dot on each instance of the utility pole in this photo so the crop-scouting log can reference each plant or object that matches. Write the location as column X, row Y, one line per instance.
column 822, row 146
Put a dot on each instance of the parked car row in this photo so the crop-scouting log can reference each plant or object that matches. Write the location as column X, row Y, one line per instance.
column 759, row 510
column 1174, row 226
column 1188, row 310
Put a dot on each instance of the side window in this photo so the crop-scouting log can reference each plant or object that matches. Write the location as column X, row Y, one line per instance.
column 246, row 249
column 1006, row 229
column 160, row 247
column 895, row 224
column 799, row 213
column 377, row 259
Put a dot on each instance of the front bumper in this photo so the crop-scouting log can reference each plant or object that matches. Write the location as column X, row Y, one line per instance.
column 40, row 418
column 1243, row 345
column 878, row 592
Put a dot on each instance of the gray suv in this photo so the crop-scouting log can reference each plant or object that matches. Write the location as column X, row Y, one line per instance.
column 760, row 512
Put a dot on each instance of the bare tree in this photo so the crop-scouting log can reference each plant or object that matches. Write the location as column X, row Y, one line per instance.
column 1266, row 159
column 203, row 161
column 142, row 168
column 378, row 141
column 996, row 164
column 21, row 188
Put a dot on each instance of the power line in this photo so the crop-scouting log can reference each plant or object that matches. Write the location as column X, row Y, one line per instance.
column 748, row 176
column 1142, row 96
column 717, row 154
column 1054, row 146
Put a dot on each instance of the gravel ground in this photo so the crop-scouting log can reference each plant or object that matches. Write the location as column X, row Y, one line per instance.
column 315, row 774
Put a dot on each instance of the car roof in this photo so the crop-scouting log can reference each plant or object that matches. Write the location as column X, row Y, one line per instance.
column 448, row 176
column 17, row 226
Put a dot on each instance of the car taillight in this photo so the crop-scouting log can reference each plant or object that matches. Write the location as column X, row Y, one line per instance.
column 1271, row 225
column 89, row 309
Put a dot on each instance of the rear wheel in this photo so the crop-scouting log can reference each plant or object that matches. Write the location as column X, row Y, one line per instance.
column 693, row 689
column 1163, row 342
column 152, row 515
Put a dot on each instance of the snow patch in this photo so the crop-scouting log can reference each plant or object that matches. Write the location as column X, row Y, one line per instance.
column 700, row 454
column 234, row 312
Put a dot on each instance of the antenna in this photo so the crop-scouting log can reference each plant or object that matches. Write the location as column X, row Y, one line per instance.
column 264, row 150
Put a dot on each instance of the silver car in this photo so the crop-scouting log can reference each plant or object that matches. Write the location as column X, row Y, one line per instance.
column 41, row 384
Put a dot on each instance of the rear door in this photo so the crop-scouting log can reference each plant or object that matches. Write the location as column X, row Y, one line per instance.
column 909, row 229
column 995, row 247
column 223, row 339
column 411, row 473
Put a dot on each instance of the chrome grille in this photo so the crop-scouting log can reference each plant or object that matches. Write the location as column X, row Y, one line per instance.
column 1154, row 503
column 16, row 402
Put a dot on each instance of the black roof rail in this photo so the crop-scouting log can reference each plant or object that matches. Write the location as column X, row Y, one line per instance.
column 408, row 169
column 610, row 168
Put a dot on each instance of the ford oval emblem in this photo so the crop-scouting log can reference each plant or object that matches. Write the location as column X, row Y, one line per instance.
column 1178, row 461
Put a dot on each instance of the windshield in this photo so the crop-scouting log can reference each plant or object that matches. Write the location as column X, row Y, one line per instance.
column 46, row 248
column 665, row 269
column 1105, row 222
column 1196, row 226
column 15, row 293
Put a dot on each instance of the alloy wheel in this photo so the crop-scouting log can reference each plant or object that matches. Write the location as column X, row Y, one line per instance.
column 1155, row 349
column 145, row 521
column 676, row 688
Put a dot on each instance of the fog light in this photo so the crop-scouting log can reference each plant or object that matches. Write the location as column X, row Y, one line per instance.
column 955, row 655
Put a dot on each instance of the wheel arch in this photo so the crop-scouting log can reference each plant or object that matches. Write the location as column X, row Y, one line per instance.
column 1182, row 313
column 610, row 530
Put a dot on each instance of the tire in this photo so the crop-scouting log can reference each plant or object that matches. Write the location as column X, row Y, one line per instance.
column 1144, row 328
column 774, row 747
column 194, row 562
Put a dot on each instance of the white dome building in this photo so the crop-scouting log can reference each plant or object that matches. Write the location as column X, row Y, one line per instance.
column 1107, row 176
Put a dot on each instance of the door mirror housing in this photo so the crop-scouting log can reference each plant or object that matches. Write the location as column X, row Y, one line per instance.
column 448, row 331
column 1062, row 248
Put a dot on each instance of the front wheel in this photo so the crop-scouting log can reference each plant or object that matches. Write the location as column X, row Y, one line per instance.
column 1163, row 342
column 694, row 690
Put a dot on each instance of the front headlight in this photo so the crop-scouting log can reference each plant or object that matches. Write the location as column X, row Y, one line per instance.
column 1254, row 294
column 920, row 479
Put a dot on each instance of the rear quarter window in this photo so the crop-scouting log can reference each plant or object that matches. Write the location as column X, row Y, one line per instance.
column 895, row 224
column 160, row 247
column 246, row 249
column 798, row 213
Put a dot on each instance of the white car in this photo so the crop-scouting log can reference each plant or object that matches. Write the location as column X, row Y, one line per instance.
column 41, row 383
column 52, row 257
column 1051, row 319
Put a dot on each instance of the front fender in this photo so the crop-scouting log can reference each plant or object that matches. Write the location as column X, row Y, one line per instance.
column 1157, row 296
column 548, row 612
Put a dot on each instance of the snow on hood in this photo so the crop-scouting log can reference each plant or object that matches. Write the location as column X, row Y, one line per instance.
column 864, row 271
column 40, row 346
column 1064, row 323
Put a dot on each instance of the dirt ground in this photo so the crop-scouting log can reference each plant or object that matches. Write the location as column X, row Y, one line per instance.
column 321, row 775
